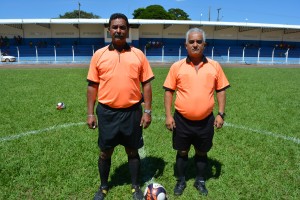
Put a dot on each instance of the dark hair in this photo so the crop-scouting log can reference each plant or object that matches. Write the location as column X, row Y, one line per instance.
column 117, row 16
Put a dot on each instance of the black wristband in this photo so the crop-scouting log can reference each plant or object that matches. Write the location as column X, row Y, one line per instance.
column 222, row 115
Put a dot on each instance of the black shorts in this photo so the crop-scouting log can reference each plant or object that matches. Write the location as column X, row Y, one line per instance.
column 198, row 133
column 119, row 126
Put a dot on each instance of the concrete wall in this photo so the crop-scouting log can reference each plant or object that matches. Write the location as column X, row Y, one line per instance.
column 171, row 34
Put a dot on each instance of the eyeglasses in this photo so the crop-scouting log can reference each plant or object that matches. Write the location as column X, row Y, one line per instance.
column 193, row 41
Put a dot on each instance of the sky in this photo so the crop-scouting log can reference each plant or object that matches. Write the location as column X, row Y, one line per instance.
column 251, row 11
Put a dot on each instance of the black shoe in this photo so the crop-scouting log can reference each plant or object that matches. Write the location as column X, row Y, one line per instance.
column 179, row 187
column 200, row 186
column 137, row 194
column 101, row 193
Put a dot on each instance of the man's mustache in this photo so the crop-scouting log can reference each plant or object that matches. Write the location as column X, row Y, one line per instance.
column 119, row 36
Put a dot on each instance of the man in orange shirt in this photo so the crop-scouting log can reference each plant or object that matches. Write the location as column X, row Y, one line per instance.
column 194, row 79
column 115, row 75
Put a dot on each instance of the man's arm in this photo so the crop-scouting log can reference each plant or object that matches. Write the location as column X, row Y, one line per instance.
column 221, row 98
column 168, row 99
column 147, row 91
column 91, row 95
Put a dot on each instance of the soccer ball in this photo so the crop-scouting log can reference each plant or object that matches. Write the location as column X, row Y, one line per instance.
column 60, row 106
column 155, row 191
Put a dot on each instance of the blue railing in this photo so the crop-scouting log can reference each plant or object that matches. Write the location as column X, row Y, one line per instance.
column 83, row 54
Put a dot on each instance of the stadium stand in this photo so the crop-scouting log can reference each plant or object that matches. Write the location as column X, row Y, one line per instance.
column 82, row 37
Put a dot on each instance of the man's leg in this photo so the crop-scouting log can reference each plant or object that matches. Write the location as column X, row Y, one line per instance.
column 104, row 163
column 181, row 165
column 134, row 164
column 201, row 161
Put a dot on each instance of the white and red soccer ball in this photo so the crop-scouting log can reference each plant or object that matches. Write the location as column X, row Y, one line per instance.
column 60, row 106
column 155, row 191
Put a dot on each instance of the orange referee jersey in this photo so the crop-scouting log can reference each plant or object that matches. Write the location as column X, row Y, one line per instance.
column 195, row 90
column 119, row 75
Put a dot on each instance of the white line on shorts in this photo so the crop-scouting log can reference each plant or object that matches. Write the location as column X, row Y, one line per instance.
column 34, row 132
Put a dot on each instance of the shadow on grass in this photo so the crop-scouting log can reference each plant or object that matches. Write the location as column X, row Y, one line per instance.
column 213, row 170
column 151, row 167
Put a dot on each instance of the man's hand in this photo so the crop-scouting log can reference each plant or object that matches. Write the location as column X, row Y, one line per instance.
column 170, row 123
column 218, row 122
column 146, row 120
column 91, row 121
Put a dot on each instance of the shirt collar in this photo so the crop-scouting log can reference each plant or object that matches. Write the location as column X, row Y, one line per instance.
column 204, row 59
column 126, row 47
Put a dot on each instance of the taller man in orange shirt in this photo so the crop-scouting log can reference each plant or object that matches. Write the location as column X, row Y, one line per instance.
column 194, row 79
column 114, row 78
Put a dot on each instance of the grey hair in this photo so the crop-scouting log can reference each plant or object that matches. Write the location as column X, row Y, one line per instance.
column 198, row 30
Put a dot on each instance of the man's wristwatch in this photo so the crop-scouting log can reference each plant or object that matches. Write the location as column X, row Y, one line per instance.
column 222, row 115
column 148, row 112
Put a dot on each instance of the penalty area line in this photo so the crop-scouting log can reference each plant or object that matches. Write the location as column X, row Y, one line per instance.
column 34, row 132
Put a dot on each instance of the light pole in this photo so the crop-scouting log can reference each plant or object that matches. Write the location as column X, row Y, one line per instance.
column 79, row 9
column 218, row 19
column 200, row 18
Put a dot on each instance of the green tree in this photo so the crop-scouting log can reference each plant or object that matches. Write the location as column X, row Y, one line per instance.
column 151, row 12
column 158, row 12
column 137, row 12
column 178, row 14
column 75, row 14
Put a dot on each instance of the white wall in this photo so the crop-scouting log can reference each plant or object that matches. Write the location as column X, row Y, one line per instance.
column 291, row 37
column 151, row 31
column 64, row 31
column 272, row 36
column 91, row 31
column 36, row 31
column 10, row 32
column 175, row 31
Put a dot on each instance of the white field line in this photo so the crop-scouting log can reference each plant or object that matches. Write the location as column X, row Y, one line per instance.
column 34, row 132
column 276, row 135
column 142, row 150
column 263, row 132
column 143, row 154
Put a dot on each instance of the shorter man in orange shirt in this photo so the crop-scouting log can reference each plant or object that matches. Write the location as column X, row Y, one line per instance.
column 194, row 79
column 116, row 74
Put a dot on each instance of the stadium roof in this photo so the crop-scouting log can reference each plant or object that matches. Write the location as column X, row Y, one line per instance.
column 166, row 23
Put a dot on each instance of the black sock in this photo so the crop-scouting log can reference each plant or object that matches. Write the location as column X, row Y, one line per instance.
column 181, row 164
column 201, row 164
column 104, row 168
column 134, row 169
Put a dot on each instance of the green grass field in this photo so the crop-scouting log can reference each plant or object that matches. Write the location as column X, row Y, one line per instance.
column 51, row 154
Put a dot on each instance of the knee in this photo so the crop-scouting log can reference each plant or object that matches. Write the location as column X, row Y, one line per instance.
column 132, row 153
column 106, row 154
column 183, row 153
column 200, row 153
